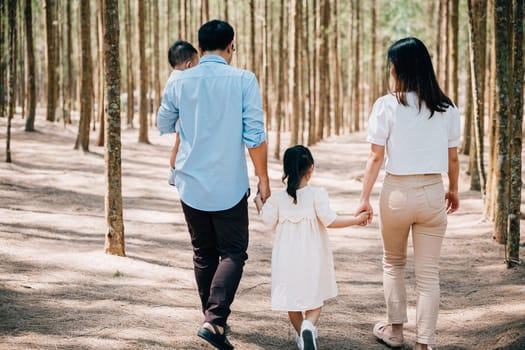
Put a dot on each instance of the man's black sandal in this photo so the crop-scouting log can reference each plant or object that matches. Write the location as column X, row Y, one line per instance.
column 216, row 339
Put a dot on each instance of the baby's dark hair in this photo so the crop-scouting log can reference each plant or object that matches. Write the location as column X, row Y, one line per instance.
column 297, row 161
column 180, row 52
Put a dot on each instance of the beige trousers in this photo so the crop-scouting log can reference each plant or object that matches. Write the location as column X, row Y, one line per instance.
column 414, row 202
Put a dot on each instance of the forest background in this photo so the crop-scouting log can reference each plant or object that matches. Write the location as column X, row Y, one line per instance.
column 97, row 68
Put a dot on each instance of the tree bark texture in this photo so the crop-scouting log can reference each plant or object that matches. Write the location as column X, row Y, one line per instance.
column 502, row 19
column 86, row 85
column 51, row 18
column 11, row 19
column 30, row 52
column 114, row 243
column 143, row 68
column 513, row 241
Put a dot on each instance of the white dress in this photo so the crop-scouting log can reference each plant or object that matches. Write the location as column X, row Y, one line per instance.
column 303, row 275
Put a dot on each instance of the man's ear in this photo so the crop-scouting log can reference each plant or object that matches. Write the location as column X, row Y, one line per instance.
column 201, row 51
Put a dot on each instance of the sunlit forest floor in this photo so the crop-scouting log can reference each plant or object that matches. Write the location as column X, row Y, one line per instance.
column 58, row 290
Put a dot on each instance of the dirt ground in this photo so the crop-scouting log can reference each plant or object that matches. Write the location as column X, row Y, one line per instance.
column 58, row 290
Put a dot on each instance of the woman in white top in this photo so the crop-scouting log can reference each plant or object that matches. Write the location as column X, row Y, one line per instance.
column 419, row 127
column 303, row 274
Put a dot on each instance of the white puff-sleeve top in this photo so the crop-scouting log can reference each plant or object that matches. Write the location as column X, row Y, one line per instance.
column 303, row 275
column 415, row 144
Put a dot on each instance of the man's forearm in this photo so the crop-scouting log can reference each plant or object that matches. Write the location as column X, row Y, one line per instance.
column 259, row 156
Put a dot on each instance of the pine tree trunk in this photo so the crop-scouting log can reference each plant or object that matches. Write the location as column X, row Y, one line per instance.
column 21, row 91
column 280, row 93
column 205, row 12
column 356, row 82
column 373, row 55
column 31, row 85
column 502, row 19
column 336, row 71
column 114, row 242
column 267, row 54
column 293, row 70
column 3, row 58
column 469, row 120
column 513, row 241
column 156, row 58
column 52, row 59
column 86, row 84
column 490, row 202
column 310, row 78
column 253, row 55
column 454, row 18
column 69, row 94
column 477, row 38
column 143, row 68
column 100, row 70
column 11, row 18
column 130, row 103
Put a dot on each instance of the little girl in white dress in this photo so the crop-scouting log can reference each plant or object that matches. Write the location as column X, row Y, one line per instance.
column 303, row 275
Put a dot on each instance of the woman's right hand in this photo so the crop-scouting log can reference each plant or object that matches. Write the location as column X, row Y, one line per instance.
column 365, row 206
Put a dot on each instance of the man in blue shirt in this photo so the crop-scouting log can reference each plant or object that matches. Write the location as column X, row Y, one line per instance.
column 220, row 113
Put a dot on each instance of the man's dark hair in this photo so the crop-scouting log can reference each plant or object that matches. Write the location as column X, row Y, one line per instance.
column 180, row 52
column 215, row 35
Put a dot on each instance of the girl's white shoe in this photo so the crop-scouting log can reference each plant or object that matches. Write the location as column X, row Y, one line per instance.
column 308, row 335
column 299, row 342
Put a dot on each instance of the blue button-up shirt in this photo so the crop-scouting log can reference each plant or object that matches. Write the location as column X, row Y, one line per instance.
column 220, row 112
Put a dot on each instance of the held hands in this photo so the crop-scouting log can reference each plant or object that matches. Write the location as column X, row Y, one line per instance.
column 365, row 207
column 362, row 218
column 451, row 202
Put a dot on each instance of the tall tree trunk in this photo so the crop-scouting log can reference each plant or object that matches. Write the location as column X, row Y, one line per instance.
column 502, row 19
column 477, row 38
column 439, row 39
column 156, row 58
column 69, row 93
column 356, row 82
column 130, row 104
column 114, row 242
column 143, row 68
column 3, row 58
column 373, row 65
column 100, row 70
column 315, row 68
column 454, row 19
column 31, row 85
column 336, row 71
column 280, row 93
column 205, row 12
column 21, row 62
column 513, row 240
column 469, row 120
column 52, row 59
column 293, row 70
column 86, row 88
column 253, row 56
column 267, row 54
column 226, row 17
column 310, row 78
column 11, row 18
column 490, row 202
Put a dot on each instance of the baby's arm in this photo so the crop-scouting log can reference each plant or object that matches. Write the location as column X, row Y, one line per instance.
column 345, row 221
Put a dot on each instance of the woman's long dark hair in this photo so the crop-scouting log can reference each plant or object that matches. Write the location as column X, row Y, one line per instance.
column 297, row 161
column 414, row 72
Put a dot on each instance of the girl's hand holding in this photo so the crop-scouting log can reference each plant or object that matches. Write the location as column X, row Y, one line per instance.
column 365, row 207
column 362, row 218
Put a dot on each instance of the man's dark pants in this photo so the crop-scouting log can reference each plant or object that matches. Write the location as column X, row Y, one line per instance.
column 220, row 241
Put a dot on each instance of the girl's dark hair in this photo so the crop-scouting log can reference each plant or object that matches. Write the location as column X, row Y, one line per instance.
column 297, row 161
column 414, row 72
